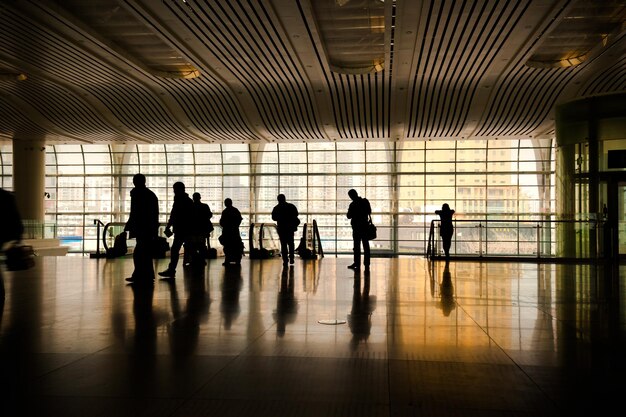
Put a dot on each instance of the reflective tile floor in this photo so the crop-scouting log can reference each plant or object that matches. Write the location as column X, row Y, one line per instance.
column 411, row 338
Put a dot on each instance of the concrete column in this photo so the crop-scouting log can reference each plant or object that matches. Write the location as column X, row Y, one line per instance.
column 29, row 170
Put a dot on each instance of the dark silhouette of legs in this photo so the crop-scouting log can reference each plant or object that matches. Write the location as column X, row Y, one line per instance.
column 142, row 260
column 174, row 255
column 287, row 247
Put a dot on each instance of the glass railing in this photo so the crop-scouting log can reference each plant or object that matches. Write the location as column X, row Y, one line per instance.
column 39, row 230
column 519, row 238
column 472, row 238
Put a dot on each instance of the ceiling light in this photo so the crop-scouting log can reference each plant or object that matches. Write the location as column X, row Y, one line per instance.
column 12, row 76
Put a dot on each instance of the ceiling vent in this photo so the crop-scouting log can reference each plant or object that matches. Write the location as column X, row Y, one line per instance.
column 353, row 33
column 121, row 30
column 585, row 29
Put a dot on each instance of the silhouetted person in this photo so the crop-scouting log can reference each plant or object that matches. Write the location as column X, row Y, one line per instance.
column 286, row 303
column 358, row 213
column 179, row 224
column 446, row 229
column 12, row 227
column 201, row 230
column 143, row 225
column 231, row 238
column 286, row 217
column 446, row 290
column 360, row 317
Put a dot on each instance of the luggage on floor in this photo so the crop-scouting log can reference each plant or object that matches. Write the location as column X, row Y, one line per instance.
column 19, row 257
column 160, row 248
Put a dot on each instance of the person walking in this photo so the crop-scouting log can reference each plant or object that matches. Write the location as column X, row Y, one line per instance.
column 286, row 217
column 143, row 225
column 180, row 225
column 231, row 238
column 446, row 229
column 202, row 229
column 359, row 212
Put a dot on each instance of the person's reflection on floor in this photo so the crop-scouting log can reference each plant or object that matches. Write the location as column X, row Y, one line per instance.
column 2, row 296
column 145, row 321
column 446, row 291
column 142, row 357
column 185, row 329
column 363, row 305
column 286, row 303
column 231, row 286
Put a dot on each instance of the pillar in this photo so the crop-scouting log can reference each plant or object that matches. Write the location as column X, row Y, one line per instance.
column 29, row 171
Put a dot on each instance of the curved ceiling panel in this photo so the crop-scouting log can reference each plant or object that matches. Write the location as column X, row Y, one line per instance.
column 267, row 70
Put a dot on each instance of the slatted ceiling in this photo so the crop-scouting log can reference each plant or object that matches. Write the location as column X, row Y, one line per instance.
column 538, row 115
column 131, row 105
column 293, row 73
column 520, row 91
column 612, row 78
column 26, row 127
column 477, row 54
column 500, row 34
column 52, row 104
column 211, row 111
column 262, row 90
column 239, row 34
column 523, row 100
column 359, row 104
column 288, row 73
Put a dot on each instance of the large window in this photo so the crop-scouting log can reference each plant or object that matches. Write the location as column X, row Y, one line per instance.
column 504, row 180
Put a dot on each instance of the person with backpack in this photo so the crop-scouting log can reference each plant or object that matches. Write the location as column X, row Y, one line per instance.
column 286, row 217
column 231, row 237
column 202, row 229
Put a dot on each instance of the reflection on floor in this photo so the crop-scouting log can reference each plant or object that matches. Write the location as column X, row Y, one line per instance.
column 409, row 338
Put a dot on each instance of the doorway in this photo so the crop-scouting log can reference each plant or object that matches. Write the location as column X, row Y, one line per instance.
column 614, row 214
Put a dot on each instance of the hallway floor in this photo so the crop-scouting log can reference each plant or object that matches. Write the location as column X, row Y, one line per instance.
column 411, row 338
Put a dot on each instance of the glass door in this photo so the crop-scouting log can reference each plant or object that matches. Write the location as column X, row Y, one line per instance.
column 621, row 218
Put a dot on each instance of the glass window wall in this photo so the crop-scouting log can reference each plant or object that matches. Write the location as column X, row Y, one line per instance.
column 405, row 183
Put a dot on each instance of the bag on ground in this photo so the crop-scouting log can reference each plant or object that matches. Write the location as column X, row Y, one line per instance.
column 19, row 257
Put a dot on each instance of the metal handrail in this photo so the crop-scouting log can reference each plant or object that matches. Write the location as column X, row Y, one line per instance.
column 113, row 224
column 254, row 251
column 318, row 239
column 98, row 223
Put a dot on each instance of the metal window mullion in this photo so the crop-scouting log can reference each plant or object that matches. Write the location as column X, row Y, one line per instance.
column 336, row 202
column 252, row 199
column 56, row 190
column 486, row 190
column 82, row 151
column 308, row 183
column 517, row 198
column 394, row 233
column 456, row 157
